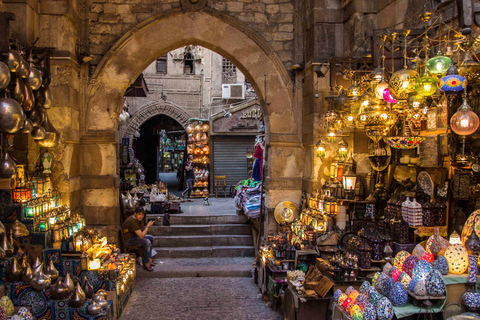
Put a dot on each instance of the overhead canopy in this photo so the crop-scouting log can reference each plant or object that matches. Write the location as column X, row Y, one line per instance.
column 138, row 88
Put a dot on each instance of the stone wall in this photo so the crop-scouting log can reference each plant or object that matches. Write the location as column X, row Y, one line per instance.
column 110, row 20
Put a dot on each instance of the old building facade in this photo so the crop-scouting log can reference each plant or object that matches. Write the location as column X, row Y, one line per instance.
column 101, row 47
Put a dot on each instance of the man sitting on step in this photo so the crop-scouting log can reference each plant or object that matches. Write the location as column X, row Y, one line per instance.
column 137, row 236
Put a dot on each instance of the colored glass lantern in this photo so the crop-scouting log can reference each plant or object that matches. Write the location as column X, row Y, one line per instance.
column 388, row 97
column 415, row 100
column 426, row 85
column 457, row 258
column 354, row 90
column 321, row 149
column 464, row 122
column 438, row 64
column 343, row 151
column 452, row 83
column 380, row 88
column 402, row 83
column 29, row 210
column 400, row 259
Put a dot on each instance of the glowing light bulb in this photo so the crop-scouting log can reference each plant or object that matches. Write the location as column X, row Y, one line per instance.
column 405, row 84
column 464, row 122
column 439, row 66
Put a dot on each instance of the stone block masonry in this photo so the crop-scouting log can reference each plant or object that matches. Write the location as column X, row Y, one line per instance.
column 272, row 19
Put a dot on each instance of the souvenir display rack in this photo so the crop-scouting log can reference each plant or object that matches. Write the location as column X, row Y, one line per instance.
column 198, row 139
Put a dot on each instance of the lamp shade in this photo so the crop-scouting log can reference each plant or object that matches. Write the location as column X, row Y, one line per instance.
column 426, row 85
column 452, row 83
column 402, row 83
column 388, row 97
column 438, row 64
column 380, row 88
column 464, row 122
column 457, row 258
column 52, row 136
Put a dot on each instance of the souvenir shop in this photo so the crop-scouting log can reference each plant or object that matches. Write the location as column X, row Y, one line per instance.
column 393, row 230
column 51, row 265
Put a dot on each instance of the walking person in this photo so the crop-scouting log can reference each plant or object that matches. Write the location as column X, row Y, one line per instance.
column 189, row 177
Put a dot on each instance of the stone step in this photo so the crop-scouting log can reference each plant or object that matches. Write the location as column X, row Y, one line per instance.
column 203, row 252
column 201, row 229
column 199, row 267
column 202, row 240
column 176, row 219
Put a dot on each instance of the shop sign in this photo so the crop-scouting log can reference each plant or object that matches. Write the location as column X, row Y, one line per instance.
column 251, row 114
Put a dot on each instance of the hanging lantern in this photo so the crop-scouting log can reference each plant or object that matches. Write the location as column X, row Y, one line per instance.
column 452, row 83
column 331, row 135
column 426, row 85
column 380, row 88
column 342, row 151
column 321, row 149
column 349, row 180
column 189, row 129
column 415, row 100
column 388, row 97
column 438, row 64
column 197, row 128
column 402, row 83
column 204, row 138
column 206, row 149
column 464, row 122
column 198, row 137
column 205, row 127
column 52, row 136
column 354, row 90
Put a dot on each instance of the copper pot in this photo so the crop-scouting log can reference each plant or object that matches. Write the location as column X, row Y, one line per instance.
column 14, row 272
column 27, row 273
column 4, row 75
column 59, row 291
column 8, row 169
column 87, row 288
column 51, row 271
column 13, row 60
column 78, row 298
column 34, row 78
column 12, row 118
column 29, row 101
column 19, row 92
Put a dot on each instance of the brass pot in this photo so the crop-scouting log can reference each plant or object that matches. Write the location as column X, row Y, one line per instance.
column 4, row 75
column 51, row 272
column 59, row 291
column 14, row 272
column 78, row 298
column 27, row 126
column 87, row 288
column 12, row 118
column 36, row 264
column 38, row 133
column 36, row 270
column 69, row 282
column 40, row 281
column 24, row 69
column 27, row 273
column 13, row 60
column 46, row 78
column 8, row 169
column 94, row 308
column 19, row 92
column 7, row 246
column 100, row 299
column 34, row 78
column 29, row 101
column 36, row 116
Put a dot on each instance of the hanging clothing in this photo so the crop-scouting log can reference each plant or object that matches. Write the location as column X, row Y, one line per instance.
column 257, row 173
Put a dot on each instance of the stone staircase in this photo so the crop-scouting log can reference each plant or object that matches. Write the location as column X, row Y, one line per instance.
column 209, row 245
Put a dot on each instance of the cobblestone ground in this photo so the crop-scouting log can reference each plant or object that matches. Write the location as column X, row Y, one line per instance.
column 197, row 298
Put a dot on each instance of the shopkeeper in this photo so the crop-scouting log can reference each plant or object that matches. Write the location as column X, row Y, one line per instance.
column 135, row 234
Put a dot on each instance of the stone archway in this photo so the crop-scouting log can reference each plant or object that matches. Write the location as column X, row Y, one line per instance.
column 150, row 110
column 249, row 51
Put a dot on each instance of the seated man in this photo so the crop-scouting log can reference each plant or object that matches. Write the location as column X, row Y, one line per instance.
column 137, row 236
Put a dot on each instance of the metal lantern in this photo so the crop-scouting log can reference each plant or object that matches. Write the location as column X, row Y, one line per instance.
column 321, row 151
column 349, row 181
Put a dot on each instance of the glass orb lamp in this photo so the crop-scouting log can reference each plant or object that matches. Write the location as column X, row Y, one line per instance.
column 452, row 83
column 415, row 100
column 438, row 64
column 402, row 83
column 354, row 90
column 380, row 88
column 426, row 85
column 464, row 122
column 388, row 97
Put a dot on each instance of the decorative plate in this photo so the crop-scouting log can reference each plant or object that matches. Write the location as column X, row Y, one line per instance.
column 286, row 211
column 425, row 182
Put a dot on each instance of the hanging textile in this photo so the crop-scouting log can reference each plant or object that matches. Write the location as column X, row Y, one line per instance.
column 257, row 166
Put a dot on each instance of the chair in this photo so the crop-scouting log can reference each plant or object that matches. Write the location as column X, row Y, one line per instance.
column 138, row 250
column 220, row 182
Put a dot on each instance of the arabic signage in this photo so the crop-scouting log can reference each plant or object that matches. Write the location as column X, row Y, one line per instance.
column 244, row 120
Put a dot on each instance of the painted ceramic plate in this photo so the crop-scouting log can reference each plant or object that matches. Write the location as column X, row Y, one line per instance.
column 425, row 182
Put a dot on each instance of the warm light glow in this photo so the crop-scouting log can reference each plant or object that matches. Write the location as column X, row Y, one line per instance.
column 464, row 122
column 94, row 264
column 439, row 66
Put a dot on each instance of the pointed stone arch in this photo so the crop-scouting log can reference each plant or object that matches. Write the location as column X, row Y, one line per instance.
column 151, row 110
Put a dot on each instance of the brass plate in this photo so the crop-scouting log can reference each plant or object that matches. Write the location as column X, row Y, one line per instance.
column 286, row 211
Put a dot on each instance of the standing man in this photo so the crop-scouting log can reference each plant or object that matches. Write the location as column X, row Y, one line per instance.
column 135, row 234
column 190, row 178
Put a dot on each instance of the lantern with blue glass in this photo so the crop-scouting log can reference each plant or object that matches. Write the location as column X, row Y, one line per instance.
column 452, row 82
